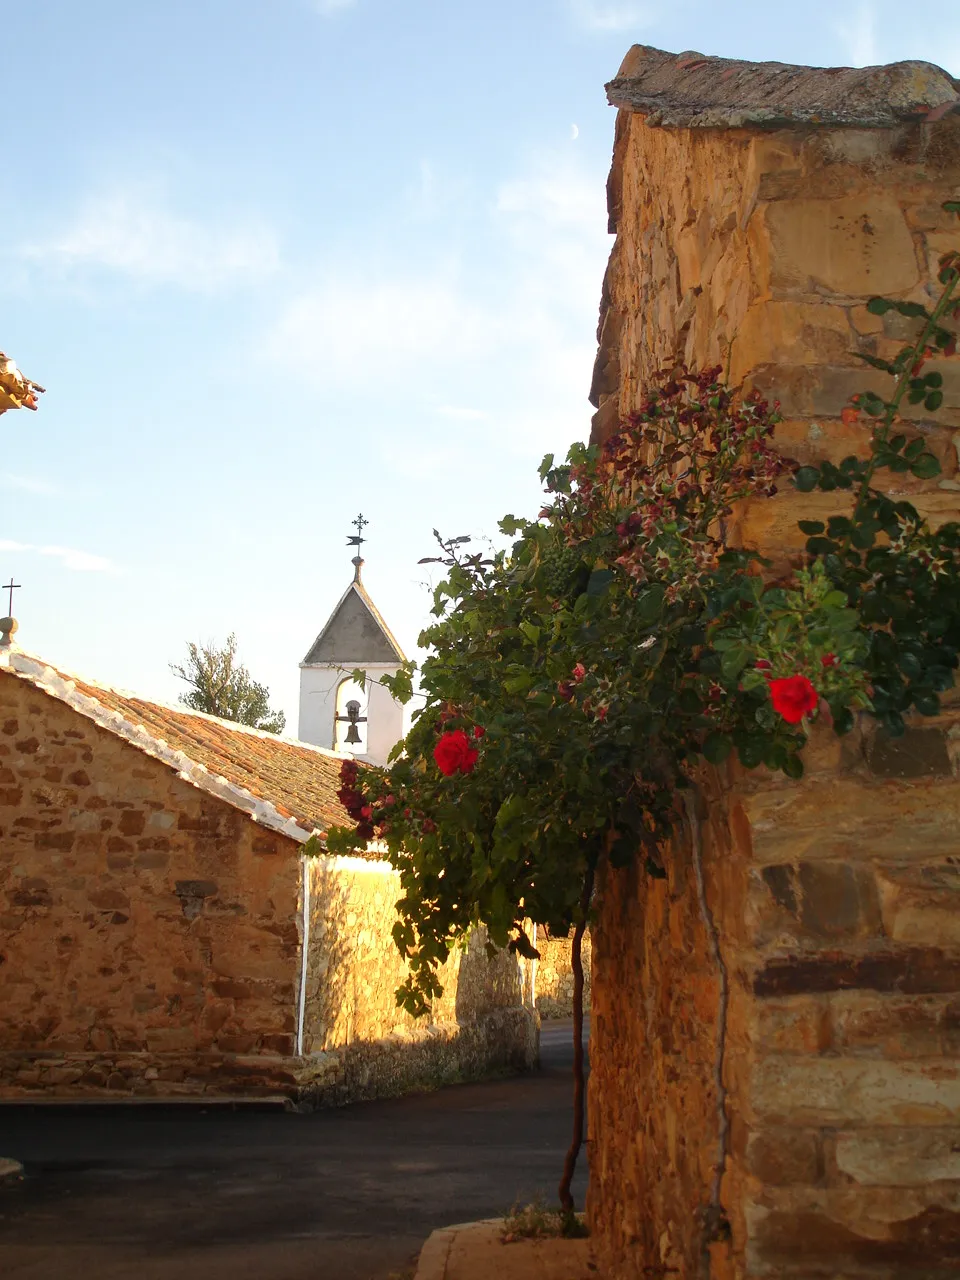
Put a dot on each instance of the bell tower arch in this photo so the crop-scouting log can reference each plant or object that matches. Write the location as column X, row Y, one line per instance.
column 334, row 711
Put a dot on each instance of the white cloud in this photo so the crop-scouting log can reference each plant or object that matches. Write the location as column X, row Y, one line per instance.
column 506, row 338
column 70, row 557
column 609, row 15
column 131, row 233
column 347, row 327
column 29, row 484
column 859, row 35
column 461, row 414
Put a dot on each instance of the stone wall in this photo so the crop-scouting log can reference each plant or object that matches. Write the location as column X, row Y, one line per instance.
column 356, row 1041
column 834, row 1116
column 147, row 939
column 554, row 975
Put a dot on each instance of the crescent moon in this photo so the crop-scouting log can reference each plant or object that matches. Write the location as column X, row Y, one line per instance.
column 574, row 133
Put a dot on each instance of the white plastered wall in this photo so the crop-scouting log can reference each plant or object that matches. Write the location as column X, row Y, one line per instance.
column 386, row 718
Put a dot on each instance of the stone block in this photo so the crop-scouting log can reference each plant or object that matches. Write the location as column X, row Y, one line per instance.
column 812, row 1092
column 802, row 333
column 893, row 1157
column 797, row 1024
column 785, row 1157
column 876, row 1237
column 921, row 904
column 912, row 970
column 918, row 753
column 872, row 1024
column 855, row 247
column 812, row 903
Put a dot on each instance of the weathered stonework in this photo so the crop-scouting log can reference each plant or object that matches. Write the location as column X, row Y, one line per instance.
column 833, row 1121
column 554, row 975
column 150, row 940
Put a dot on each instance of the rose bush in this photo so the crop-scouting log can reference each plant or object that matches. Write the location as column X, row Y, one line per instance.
column 620, row 641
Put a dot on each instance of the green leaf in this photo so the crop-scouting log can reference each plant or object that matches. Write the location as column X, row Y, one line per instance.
column 733, row 662
column 518, row 684
column 933, row 401
column 879, row 306
column 599, row 582
column 925, row 467
column 926, row 702
column 545, row 465
column 806, row 479
column 793, row 767
column 716, row 747
column 752, row 752
column 835, row 600
column 912, row 310
column 811, row 527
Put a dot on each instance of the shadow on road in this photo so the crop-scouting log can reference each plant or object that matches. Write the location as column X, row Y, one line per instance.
column 176, row 1193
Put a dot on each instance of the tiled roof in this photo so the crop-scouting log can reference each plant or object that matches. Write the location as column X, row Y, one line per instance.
column 284, row 784
column 690, row 90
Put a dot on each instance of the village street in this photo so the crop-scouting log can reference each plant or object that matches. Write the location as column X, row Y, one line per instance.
column 157, row 1193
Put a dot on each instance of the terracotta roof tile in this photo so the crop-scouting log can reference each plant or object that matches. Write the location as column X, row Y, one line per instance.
column 296, row 780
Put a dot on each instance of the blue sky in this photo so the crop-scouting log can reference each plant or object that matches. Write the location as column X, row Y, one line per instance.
column 278, row 261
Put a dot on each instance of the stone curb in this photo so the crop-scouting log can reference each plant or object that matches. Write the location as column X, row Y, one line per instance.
column 432, row 1263
column 475, row 1251
column 10, row 1171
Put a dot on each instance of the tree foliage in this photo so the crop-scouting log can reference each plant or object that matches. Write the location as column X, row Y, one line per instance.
column 222, row 686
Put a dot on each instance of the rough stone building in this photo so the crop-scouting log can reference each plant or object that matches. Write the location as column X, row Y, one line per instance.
column 788, row 1106
column 161, row 933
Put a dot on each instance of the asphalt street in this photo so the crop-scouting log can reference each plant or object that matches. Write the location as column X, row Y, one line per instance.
column 179, row 1193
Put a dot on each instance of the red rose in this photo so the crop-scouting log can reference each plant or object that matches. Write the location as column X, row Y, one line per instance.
column 365, row 830
column 829, row 660
column 565, row 690
column 578, row 672
column 793, row 697
column 454, row 754
column 366, row 812
column 762, row 664
column 390, row 801
column 429, row 826
column 478, row 731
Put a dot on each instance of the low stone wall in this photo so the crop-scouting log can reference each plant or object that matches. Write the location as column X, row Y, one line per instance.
column 356, row 1042
column 554, row 975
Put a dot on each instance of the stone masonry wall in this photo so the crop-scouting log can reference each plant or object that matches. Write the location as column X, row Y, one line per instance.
column 147, row 938
column 554, row 975
column 758, row 252
column 835, row 899
column 357, row 1042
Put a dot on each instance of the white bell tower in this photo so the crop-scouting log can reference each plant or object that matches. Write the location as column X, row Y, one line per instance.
column 334, row 711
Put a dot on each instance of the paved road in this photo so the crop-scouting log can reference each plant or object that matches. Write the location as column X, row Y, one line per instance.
column 167, row 1193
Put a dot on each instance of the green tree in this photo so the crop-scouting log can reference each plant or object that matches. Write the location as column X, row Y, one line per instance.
column 222, row 686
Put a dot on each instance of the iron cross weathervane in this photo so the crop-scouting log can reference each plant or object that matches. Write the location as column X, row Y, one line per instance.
column 10, row 587
column 355, row 539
